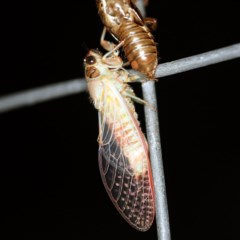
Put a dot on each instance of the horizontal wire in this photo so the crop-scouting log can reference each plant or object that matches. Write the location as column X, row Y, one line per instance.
column 198, row 61
column 53, row 91
column 41, row 94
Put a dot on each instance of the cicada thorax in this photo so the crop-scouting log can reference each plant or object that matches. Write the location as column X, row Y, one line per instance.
column 139, row 47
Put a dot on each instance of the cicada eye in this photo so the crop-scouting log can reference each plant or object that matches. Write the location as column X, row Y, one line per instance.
column 90, row 60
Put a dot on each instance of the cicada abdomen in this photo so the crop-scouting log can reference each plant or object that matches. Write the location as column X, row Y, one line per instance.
column 123, row 150
column 124, row 21
column 139, row 48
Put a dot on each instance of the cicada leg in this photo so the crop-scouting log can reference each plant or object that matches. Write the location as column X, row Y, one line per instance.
column 114, row 51
column 112, row 59
column 111, row 47
column 126, row 64
column 139, row 100
column 151, row 23
column 99, row 139
column 107, row 45
column 138, row 77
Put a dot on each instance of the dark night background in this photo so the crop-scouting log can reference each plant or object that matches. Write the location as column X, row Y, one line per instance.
column 51, row 186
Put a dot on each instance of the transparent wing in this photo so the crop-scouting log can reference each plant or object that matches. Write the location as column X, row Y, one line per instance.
column 125, row 168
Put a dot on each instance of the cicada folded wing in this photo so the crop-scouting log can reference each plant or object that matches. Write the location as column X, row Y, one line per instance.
column 124, row 162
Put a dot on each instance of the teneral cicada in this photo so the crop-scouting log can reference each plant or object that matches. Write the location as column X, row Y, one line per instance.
column 126, row 24
column 123, row 150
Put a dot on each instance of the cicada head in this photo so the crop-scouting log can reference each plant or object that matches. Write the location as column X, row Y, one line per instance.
column 97, row 65
column 93, row 64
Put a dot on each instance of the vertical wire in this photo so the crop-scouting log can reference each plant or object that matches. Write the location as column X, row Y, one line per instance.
column 153, row 135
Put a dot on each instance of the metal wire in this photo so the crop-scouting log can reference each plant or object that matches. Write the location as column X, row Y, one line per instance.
column 198, row 61
column 41, row 94
column 155, row 150
column 53, row 91
column 153, row 136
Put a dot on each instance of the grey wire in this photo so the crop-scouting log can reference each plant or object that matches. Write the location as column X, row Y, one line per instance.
column 53, row 91
column 141, row 7
column 155, row 149
column 197, row 61
column 153, row 136
column 41, row 94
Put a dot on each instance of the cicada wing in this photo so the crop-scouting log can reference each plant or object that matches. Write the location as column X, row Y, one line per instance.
column 131, row 192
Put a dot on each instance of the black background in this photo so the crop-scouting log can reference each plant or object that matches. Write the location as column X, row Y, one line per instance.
column 51, row 186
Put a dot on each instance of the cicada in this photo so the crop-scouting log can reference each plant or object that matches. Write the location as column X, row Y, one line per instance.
column 125, row 23
column 123, row 150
